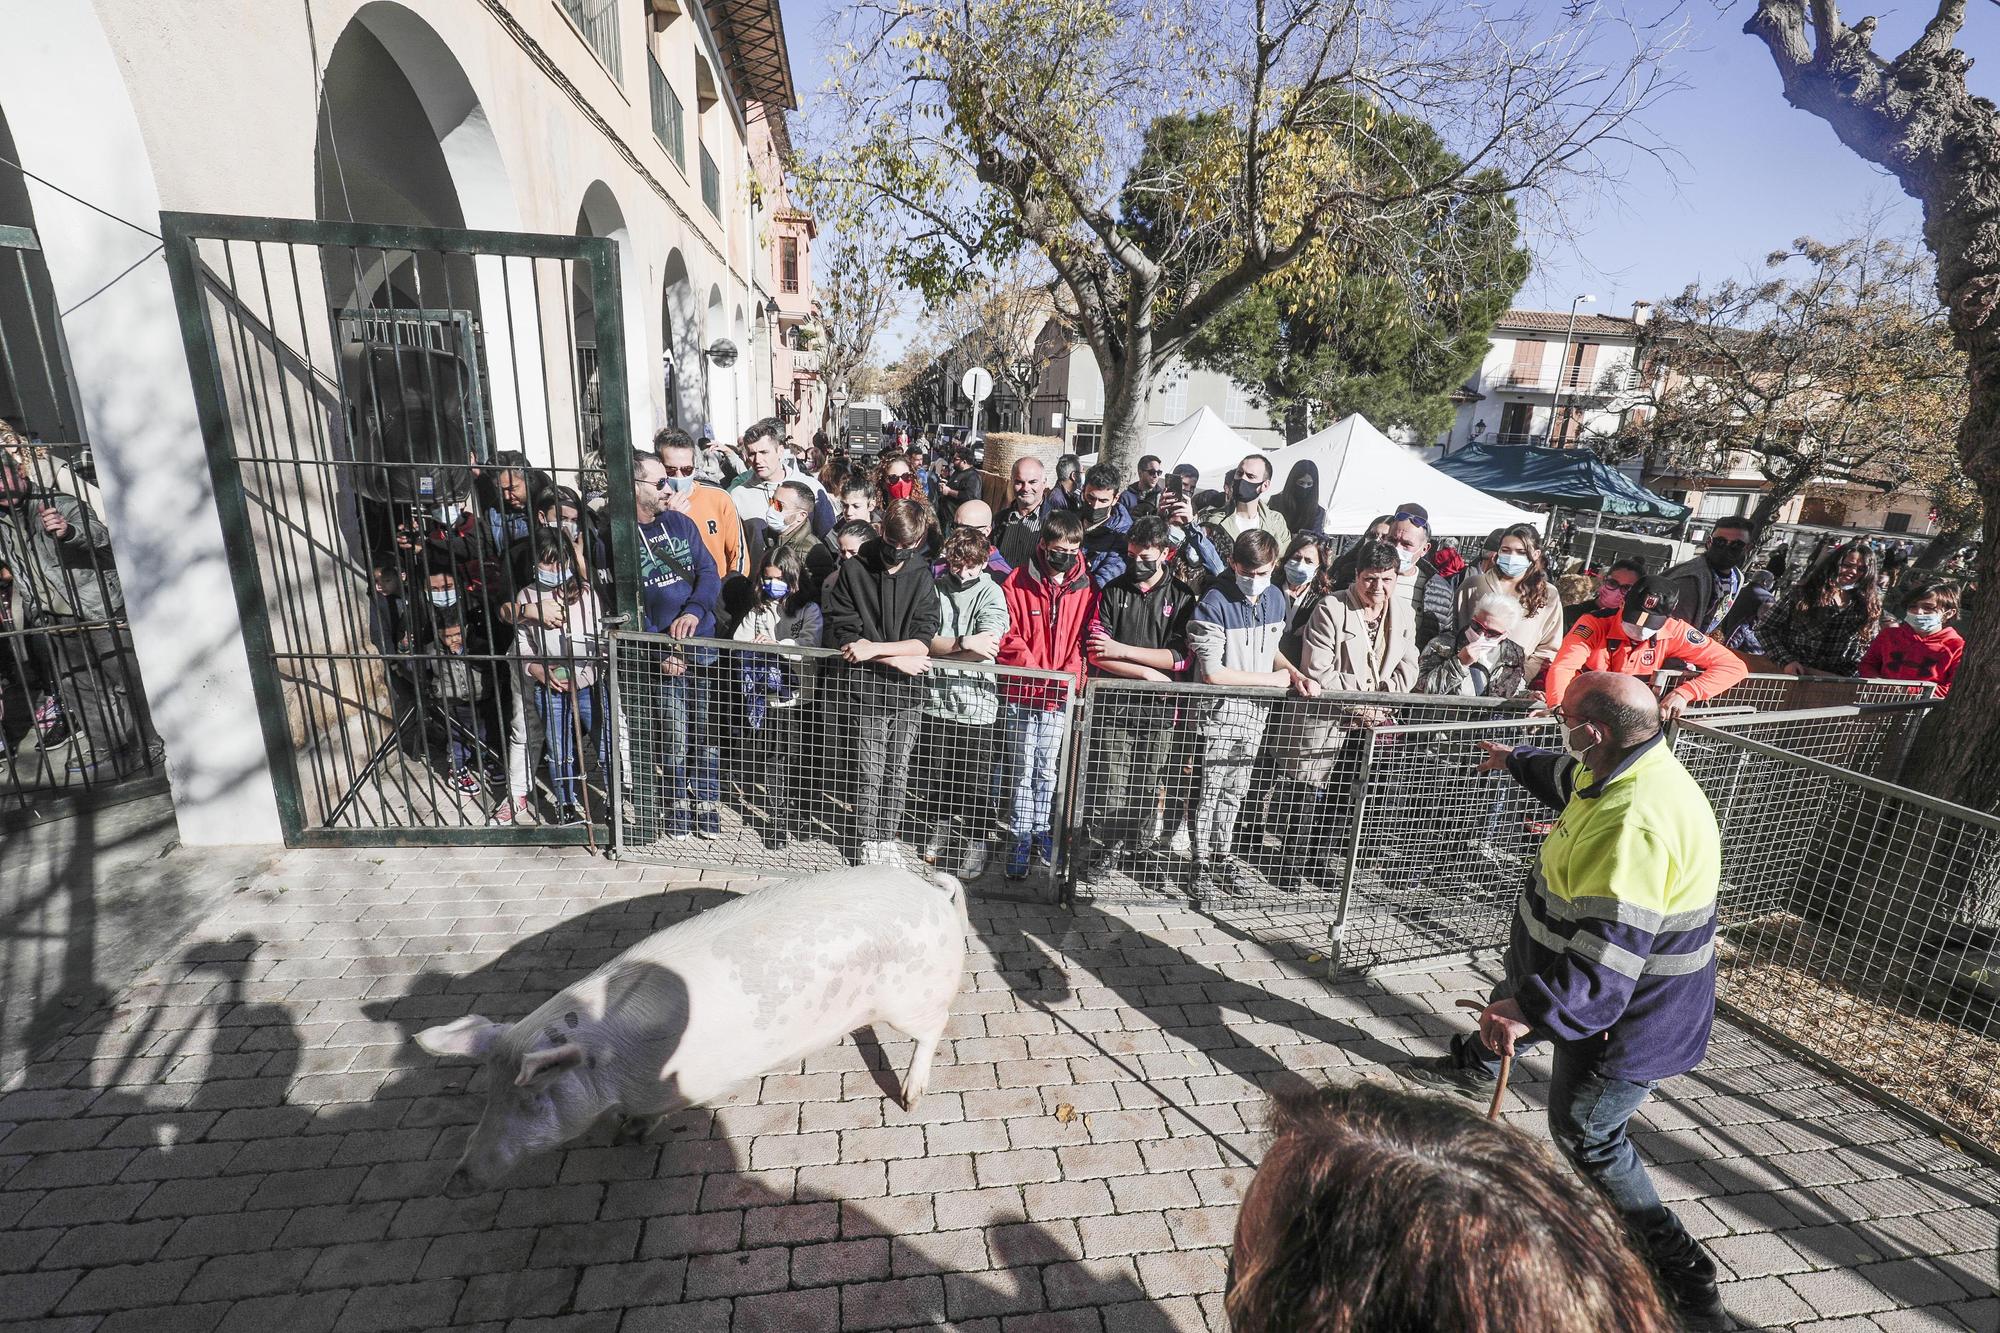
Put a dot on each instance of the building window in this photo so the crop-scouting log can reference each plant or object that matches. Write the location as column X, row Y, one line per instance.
column 597, row 20
column 1171, row 397
column 1517, row 424
column 1724, row 504
column 1236, row 408
column 669, row 119
column 711, row 183
column 1087, row 438
column 1896, row 522
column 788, row 264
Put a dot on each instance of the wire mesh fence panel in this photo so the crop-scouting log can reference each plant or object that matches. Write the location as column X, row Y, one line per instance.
column 1870, row 739
column 411, row 466
column 1225, row 796
column 1770, row 693
column 1438, row 851
column 789, row 759
column 73, row 716
column 1870, row 937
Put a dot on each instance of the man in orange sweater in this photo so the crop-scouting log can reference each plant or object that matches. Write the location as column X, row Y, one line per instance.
column 709, row 507
column 1638, row 639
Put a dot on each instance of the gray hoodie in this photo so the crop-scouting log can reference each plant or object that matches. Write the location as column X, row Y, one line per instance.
column 69, row 576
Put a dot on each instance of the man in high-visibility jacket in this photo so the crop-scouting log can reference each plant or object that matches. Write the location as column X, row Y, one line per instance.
column 1639, row 638
column 1611, row 957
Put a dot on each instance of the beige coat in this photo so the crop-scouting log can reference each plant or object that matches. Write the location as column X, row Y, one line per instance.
column 1335, row 653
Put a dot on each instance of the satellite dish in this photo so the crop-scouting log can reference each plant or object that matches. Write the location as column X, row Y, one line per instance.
column 722, row 352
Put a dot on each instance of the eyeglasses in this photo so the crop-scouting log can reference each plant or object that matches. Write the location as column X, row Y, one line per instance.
column 1480, row 631
column 1151, row 471
column 1728, row 543
column 1619, row 583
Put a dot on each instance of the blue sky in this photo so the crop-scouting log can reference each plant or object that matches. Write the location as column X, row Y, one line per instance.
column 1749, row 173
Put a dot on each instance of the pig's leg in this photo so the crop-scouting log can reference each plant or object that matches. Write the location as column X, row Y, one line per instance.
column 918, row 1077
column 633, row 1129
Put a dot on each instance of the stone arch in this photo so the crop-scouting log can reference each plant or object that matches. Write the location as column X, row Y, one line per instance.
column 681, row 344
column 601, row 215
column 722, row 380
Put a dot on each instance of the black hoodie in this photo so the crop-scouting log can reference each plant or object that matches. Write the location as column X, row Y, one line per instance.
column 868, row 602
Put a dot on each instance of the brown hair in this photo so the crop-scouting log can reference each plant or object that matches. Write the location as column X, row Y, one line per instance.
column 1534, row 590
column 966, row 547
column 905, row 523
column 1254, row 546
column 1378, row 1211
column 1928, row 583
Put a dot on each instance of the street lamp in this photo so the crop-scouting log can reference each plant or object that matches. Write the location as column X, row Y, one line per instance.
column 1562, row 365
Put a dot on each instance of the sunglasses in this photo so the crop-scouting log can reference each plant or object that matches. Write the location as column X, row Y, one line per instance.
column 687, row 471
column 1421, row 520
column 1151, row 471
column 1479, row 631
column 1728, row 543
column 898, row 476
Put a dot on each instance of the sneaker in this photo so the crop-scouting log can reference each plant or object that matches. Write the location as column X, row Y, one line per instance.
column 513, row 810
column 1017, row 858
column 1045, row 847
column 942, row 833
column 1182, row 842
column 1203, row 883
column 1101, row 859
column 1232, row 874
column 1441, row 1073
column 467, row 781
column 973, row 864
column 571, row 814
column 708, row 823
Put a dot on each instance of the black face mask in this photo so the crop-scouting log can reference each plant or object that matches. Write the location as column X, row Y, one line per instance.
column 1061, row 562
column 1245, row 491
column 1095, row 517
column 1721, row 559
column 901, row 554
column 1145, row 569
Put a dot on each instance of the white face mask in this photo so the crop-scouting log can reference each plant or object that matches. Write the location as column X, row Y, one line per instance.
column 1511, row 564
column 1406, row 560
column 1253, row 585
column 1482, row 650
column 1575, row 750
column 446, row 514
column 444, row 597
column 1925, row 622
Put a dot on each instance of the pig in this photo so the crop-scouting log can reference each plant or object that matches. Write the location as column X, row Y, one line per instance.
column 689, row 1013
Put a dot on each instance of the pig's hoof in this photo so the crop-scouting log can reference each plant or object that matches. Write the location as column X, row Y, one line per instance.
column 631, row 1129
column 911, row 1096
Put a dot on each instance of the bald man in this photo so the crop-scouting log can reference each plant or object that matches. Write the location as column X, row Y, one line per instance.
column 978, row 516
column 1611, row 957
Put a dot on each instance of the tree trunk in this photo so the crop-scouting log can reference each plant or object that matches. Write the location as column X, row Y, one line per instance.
column 1298, row 420
column 1939, row 548
column 1781, row 492
column 1127, row 389
column 1957, row 754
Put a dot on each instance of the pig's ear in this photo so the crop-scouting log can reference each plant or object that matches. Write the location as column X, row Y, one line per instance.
column 469, row 1038
column 539, row 1065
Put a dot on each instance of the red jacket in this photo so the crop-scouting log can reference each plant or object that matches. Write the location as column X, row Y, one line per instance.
column 1046, row 623
column 1598, row 642
column 1900, row 653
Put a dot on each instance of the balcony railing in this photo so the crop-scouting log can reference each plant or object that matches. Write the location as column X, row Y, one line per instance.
column 805, row 363
column 711, row 183
column 669, row 121
column 597, row 20
column 789, row 286
column 1535, row 382
column 1519, row 437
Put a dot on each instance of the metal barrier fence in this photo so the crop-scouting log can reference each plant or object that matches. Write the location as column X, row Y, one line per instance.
column 1764, row 692
column 1860, row 922
column 789, row 759
column 1228, row 796
column 400, row 428
column 73, row 717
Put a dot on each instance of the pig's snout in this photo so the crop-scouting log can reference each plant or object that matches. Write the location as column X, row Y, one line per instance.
column 461, row 1185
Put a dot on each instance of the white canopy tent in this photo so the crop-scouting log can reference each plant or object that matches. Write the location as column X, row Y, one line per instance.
column 1364, row 474
column 1202, row 439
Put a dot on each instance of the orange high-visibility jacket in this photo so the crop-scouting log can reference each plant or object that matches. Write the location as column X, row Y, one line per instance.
column 1599, row 643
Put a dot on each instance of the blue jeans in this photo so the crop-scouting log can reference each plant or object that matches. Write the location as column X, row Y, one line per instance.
column 694, row 753
column 1034, row 742
column 560, row 730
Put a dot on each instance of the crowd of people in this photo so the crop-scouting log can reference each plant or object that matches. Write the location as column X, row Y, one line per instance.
column 964, row 622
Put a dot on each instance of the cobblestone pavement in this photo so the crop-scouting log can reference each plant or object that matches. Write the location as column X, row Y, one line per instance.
column 247, row 1139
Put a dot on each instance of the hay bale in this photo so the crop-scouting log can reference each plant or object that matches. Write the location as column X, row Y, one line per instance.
column 1003, row 449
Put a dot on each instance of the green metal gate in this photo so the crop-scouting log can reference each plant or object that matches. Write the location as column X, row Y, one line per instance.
column 401, row 441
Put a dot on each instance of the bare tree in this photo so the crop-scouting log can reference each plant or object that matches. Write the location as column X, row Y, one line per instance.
column 856, row 296
column 1913, row 114
column 1041, row 122
column 1810, row 374
column 1006, row 322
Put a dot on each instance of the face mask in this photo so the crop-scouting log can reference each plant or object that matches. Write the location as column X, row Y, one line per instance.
column 1405, row 560
column 1145, row 569
column 445, row 514
column 1253, row 585
column 1722, row 559
column 902, row 488
column 1847, row 586
column 1059, row 562
column 550, row 578
column 1245, row 490
column 1610, row 597
column 1510, row 564
column 903, row 554
column 680, row 485
column 444, row 597
column 1576, row 750
column 777, row 589
column 1925, row 622
column 1298, row 573
column 776, row 518
column 1482, row 650
column 1095, row 517
column 571, row 530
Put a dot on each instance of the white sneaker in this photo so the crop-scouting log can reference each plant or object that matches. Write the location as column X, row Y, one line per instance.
column 1182, row 842
column 973, row 864
column 871, row 853
column 941, row 833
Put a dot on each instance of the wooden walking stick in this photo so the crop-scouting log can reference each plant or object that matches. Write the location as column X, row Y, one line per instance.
column 590, row 829
column 1506, row 1068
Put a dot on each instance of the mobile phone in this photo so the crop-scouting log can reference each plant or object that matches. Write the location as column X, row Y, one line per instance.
column 1176, row 485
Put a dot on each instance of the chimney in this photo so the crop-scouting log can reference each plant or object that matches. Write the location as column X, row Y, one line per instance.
column 1641, row 311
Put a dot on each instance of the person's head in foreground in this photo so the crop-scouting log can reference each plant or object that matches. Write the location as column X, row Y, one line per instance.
column 1381, row 1211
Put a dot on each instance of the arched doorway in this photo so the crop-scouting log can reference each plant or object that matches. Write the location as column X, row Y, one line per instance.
column 722, row 380
column 680, row 342
column 600, row 215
